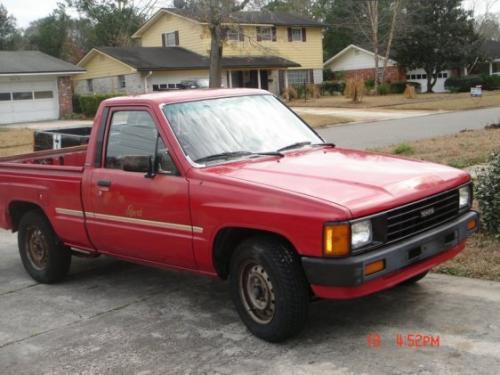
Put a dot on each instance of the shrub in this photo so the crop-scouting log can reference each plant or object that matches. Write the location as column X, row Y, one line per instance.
column 332, row 87
column 491, row 82
column 384, row 89
column 404, row 149
column 397, row 87
column 290, row 93
column 462, row 84
column 355, row 89
column 90, row 103
column 76, row 104
column 313, row 91
column 370, row 83
column 328, row 75
column 488, row 195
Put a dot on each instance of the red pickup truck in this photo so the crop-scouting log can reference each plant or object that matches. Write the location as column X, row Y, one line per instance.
column 232, row 184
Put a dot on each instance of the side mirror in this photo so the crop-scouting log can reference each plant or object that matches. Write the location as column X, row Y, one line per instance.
column 139, row 163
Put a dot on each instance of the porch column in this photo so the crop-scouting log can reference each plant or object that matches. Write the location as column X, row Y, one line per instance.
column 230, row 81
column 285, row 72
column 466, row 73
column 258, row 79
column 491, row 68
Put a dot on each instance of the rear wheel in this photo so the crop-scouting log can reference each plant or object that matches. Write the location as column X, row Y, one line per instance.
column 43, row 256
column 269, row 288
column 415, row 279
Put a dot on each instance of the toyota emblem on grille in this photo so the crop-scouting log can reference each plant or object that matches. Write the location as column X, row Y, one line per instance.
column 427, row 212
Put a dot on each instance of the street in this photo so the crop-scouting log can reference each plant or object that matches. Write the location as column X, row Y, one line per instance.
column 389, row 132
column 114, row 317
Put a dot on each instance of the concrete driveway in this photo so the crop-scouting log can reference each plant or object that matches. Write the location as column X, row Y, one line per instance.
column 384, row 133
column 112, row 317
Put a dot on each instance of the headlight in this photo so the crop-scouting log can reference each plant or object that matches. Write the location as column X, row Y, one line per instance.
column 361, row 234
column 464, row 200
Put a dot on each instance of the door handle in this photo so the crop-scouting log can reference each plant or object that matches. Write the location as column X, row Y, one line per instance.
column 104, row 183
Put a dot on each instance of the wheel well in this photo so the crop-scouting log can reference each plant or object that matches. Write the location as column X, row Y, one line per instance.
column 228, row 239
column 18, row 209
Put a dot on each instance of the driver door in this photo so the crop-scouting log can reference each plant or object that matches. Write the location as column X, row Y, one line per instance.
column 133, row 215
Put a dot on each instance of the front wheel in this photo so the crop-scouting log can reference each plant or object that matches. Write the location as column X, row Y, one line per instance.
column 43, row 256
column 269, row 288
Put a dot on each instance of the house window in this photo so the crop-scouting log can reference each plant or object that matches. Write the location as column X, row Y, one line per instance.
column 235, row 34
column 408, row 76
column 28, row 95
column 122, row 82
column 264, row 33
column 171, row 39
column 4, row 96
column 298, row 77
column 44, row 94
column 445, row 75
column 296, row 34
column 90, row 85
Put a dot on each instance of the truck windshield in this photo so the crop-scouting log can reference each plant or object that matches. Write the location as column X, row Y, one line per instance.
column 238, row 126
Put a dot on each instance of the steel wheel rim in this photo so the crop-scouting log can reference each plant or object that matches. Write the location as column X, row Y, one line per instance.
column 37, row 248
column 257, row 293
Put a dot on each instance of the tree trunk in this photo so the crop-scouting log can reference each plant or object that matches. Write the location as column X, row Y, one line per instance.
column 372, row 10
column 215, row 72
column 395, row 13
column 431, row 79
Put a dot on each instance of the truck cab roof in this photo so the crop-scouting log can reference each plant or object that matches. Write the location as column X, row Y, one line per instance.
column 180, row 96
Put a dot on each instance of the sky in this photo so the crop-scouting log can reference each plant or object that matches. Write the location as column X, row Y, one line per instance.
column 26, row 11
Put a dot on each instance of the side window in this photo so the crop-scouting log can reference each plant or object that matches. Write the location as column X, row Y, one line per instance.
column 134, row 134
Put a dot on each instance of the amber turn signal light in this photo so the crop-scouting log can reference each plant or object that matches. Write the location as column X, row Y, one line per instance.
column 337, row 240
column 472, row 224
column 377, row 266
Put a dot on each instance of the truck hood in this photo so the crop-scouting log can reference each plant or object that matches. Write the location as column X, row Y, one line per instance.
column 362, row 182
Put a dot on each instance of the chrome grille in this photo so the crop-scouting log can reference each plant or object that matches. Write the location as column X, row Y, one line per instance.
column 420, row 216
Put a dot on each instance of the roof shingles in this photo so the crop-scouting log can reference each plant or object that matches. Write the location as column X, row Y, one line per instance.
column 178, row 58
column 33, row 62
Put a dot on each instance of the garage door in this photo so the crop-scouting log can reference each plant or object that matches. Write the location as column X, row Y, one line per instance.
column 28, row 101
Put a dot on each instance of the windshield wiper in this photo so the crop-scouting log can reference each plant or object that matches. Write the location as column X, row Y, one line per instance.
column 236, row 154
column 294, row 145
column 326, row 144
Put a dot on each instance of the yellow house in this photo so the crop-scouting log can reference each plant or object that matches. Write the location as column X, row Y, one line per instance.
column 262, row 49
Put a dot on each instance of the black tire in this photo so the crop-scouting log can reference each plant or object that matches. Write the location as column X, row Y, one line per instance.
column 415, row 279
column 268, row 258
column 44, row 257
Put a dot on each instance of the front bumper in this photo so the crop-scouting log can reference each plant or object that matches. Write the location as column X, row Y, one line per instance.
column 344, row 277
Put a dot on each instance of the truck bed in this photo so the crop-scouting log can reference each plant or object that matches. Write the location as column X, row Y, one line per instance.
column 52, row 181
column 73, row 157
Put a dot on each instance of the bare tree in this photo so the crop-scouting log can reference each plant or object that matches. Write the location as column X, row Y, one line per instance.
column 376, row 21
column 217, row 14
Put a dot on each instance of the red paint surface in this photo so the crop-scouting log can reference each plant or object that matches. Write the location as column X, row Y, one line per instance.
column 292, row 196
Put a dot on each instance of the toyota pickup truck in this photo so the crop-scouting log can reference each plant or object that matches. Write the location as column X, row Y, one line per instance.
column 232, row 184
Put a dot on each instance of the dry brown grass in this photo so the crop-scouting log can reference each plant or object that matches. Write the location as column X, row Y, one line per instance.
column 480, row 259
column 15, row 141
column 442, row 101
column 460, row 150
column 319, row 121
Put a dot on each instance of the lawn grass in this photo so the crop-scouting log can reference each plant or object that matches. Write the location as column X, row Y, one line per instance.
column 15, row 141
column 480, row 259
column 460, row 150
column 440, row 101
column 319, row 121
